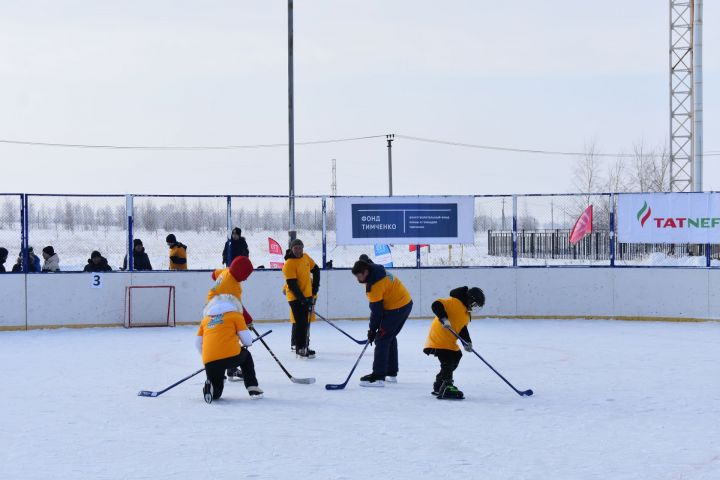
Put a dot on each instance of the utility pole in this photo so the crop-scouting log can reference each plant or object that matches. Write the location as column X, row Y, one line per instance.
column 292, row 233
column 390, row 137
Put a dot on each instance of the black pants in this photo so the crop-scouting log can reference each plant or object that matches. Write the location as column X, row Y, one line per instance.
column 301, row 331
column 385, row 360
column 449, row 361
column 215, row 371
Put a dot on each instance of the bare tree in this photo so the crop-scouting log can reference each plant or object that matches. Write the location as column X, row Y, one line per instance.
column 651, row 169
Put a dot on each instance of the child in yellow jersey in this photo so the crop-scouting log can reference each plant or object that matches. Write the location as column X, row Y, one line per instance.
column 227, row 283
column 223, row 323
column 390, row 306
column 453, row 313
column 302, row 282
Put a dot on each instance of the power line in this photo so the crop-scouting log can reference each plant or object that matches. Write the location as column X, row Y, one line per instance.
column 328, row 141
column 203, row 147
column 524, row 150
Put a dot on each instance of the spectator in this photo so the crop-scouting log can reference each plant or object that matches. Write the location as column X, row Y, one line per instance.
column 33, row 262
column 3, row 256
column 52, row 261
column 238, row 247
column 141, row 261
column 97, row 263
column 178, row 253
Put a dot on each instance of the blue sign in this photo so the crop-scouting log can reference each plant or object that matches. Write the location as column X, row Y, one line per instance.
column 404, row 220
column 383, row 255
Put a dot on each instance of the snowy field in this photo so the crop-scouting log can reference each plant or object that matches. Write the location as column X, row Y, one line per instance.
column 613, row 400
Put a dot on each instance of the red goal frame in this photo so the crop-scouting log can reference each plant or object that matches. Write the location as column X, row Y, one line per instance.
column 170, row 305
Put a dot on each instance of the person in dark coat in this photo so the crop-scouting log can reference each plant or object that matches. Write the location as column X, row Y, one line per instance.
column 33, row 262
column 141, row 261
column 238, row 247
column 97, row 263
column 3, row 257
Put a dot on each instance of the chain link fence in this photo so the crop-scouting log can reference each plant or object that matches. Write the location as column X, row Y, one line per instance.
column 10, row 230
column 199, row 223
column 76, row 225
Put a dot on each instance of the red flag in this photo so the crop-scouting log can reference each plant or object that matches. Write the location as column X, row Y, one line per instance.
column 412, row 248
column 583, row 226
column 276, row 254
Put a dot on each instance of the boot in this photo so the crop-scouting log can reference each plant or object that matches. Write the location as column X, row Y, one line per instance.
column 208, row 391
column 448, row 391
column 372, row 380
column 255, row 392
column 234, row 375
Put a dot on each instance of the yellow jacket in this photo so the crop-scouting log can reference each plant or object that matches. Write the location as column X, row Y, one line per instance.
column 459, row 317
column 220, row 335
column 178, row 257
column 299, row 269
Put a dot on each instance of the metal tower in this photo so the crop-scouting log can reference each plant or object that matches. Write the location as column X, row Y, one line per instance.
column 685, row 95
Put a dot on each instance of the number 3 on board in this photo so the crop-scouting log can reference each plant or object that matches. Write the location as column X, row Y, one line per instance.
column 96, row 280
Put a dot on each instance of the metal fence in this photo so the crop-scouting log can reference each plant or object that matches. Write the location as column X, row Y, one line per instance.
column 518, row 230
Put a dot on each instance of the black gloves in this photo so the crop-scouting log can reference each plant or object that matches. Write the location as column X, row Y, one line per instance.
column 310, row 303
column 371, row 336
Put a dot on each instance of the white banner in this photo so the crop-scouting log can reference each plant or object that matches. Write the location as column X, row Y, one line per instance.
column 669, row 218
column 405, row 220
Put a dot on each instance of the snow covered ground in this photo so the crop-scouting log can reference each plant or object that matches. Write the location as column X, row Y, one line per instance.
column 613, row 400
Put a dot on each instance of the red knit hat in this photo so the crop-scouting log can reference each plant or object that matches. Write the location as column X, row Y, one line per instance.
column 241, row 268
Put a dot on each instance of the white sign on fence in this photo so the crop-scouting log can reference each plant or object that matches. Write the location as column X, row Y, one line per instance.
column 405, row 220
column 669, row 218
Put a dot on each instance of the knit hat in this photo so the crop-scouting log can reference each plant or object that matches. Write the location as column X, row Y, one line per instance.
column 136, row 242
column 49, row 250
column 94, row 254
column 3, row 253
column 295, row 242
column 241, row 268
column 170, row 239
column 238, row 231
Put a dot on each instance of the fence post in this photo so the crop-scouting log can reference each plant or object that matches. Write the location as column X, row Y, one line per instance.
column 612, row 230
column 130, row 213
column 708, row 254
column 514, row 230
column 23, row 231
column 228, row 230
column 324, row 233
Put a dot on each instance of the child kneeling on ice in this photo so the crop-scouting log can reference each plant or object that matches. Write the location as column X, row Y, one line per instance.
column 217, row 338
column 452, row 312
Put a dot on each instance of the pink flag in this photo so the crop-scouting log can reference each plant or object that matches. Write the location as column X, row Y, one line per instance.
column 583, row 226
column 276, row 254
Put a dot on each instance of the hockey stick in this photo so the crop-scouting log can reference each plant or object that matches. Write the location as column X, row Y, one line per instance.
column 333, row 386
column 148, row 393
column 304, row 381
column 359, row 342
column 525, row 393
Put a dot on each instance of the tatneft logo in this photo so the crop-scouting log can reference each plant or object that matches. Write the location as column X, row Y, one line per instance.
column 643, row 214
column 676, row 222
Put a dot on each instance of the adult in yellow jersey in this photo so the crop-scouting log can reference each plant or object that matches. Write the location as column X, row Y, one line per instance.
column 451, row 312
column 302, row 281
column 220, row 328
column 390, row 306
column 177, row 253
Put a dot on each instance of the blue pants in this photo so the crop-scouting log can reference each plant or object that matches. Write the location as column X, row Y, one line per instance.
column 386, row 351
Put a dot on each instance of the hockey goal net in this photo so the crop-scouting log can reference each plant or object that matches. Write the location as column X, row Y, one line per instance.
column 149, row 306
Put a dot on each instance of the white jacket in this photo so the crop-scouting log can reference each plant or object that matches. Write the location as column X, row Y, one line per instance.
column 52, row 264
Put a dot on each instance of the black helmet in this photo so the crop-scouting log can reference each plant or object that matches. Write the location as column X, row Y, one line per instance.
column 476, row 297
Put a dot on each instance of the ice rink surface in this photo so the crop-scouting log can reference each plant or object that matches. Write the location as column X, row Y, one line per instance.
column 613, row 400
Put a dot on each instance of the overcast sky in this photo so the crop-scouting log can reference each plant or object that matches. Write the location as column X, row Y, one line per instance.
column 549, row 75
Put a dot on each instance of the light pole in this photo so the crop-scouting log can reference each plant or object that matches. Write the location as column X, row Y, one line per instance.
column 292, row 233
column 390, row 137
